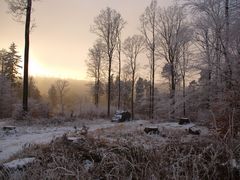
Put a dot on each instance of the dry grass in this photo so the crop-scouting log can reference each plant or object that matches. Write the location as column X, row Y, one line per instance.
column 132, row 156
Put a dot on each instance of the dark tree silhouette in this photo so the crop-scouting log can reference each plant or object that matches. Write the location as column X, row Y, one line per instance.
column 95, row 67
column 132, row 46
column 148, row 28
column 20, row 8
column 108, row 25
column 62, row 88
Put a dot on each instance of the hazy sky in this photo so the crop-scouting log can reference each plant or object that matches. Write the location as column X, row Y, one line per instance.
column 61, row 39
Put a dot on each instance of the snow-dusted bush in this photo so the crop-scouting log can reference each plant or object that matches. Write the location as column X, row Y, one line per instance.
column 17, row 112
column 90, row 111
column 89, row 158
column 7, row 97
column 37, row 109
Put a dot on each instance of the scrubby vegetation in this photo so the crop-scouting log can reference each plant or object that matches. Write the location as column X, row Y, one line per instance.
column 132, row 156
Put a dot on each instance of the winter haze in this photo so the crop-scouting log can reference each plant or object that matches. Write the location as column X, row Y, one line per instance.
column 62, row 37
column 120, row 89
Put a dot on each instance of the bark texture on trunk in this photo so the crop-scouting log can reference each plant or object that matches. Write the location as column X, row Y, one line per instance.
column 26, row 56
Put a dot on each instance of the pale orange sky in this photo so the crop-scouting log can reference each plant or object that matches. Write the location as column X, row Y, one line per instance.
column 60, row 42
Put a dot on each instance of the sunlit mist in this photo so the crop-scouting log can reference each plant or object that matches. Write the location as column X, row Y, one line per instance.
column 62, row 37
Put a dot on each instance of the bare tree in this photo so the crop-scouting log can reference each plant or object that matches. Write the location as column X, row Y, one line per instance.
column 108, row 25
column 212, row 38
column 131, row 48
column 148, row 22
column 119, row 51
column 184, row 69
column 207, row 53
column 126, row 87
column 97, row 55
column 7, row 97
column 52, row 95
column 217, row 15
column 33, row 90
column 19, row 9
column 172, row 31
column 62, row 88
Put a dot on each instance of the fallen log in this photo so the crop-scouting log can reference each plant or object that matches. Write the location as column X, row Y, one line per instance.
column 9, row 128
column 151, row 130
column 194, row 131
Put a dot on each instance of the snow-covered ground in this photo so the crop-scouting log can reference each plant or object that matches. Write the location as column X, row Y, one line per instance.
column 13, row 141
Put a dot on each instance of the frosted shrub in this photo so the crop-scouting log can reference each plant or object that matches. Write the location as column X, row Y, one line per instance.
column 37, row 109
column 91, row 111
column 17, row 112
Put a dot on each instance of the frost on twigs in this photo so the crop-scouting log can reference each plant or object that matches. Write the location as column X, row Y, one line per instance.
column 127, row 155
column 18, row 163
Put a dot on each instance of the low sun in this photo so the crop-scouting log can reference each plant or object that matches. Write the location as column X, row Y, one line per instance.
column 35, row 68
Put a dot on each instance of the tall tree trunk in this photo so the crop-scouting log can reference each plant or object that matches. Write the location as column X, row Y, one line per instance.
column 150, row 97
column 26, row 56
column 172, row 94
column 184, row 81
column 119, row 74
column 184, row 97
column 153, row 87
column 226, row 53
column 95, row 92
column 2, row 67
column 153, row 69
column 218, row 59
column 98, row 88
column 132, row 95
column 62, row 105
column 109, row 85
column 209, row 83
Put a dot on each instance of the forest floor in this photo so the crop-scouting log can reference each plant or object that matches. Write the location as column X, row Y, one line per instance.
column 40, row 133
column 100, row 149
column 28, row 133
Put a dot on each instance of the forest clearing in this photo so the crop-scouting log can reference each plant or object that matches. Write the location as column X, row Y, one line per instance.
column 118, row 90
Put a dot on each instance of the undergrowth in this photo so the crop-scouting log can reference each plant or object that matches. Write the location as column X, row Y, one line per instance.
column 91, row 158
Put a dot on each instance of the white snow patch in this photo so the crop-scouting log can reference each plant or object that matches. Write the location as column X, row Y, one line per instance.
column 176, row 125
column 18, row 163
column 234, row 163
column 87, row 164
column 12, row 143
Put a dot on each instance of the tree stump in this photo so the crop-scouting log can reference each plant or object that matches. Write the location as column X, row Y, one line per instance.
column 194, row 131
column 151, row 130
column 183, row 121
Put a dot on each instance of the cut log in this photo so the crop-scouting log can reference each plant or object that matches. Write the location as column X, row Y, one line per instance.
column 84, row 130
column 73, row 139
column 151, row 130
column 194, row 131
column 183, row 121
column 9, row 128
